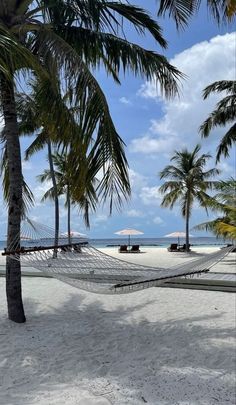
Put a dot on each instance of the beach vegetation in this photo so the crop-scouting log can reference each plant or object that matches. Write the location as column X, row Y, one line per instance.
column 224, row 202
column 41, row 38
column 182, row 11
column 65, row 176
column 187, row 181
column 223, row 114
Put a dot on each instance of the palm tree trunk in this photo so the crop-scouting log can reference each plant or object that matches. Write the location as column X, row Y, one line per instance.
column 187, row 224
column 69, row 213
column 56, row 200
column 13, row 267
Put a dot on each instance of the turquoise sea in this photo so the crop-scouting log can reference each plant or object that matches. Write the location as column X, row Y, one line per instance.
column 149, row 242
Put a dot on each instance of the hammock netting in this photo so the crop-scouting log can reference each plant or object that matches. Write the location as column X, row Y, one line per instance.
column 87, row 268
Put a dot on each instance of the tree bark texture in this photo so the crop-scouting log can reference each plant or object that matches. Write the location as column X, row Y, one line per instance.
column 187, row 224
column 56, row 201
column 68, row 217
column 11, row 136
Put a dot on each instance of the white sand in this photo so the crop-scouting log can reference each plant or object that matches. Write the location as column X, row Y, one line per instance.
column 158, row 346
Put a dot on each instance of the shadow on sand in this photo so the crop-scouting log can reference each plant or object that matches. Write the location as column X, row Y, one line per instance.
column 81, row 344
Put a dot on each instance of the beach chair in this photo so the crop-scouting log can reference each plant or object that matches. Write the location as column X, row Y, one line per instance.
column 173, row 247
column 123, row 249
column 135, row 249
column 183, row 248
column 77, row 249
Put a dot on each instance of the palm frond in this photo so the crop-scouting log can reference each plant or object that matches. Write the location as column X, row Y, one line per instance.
column 37, row 145
column 226, row 143
column 229, row 86
column 183, row 10
column 118, row 53
column 27, row 195
column 180, row 10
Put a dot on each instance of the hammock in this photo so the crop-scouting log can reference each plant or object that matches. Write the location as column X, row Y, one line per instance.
column 87, row 268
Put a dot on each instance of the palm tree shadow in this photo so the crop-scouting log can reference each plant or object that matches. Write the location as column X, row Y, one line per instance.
column 80, row 343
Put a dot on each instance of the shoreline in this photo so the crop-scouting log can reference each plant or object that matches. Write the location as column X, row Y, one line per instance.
column 151, row 256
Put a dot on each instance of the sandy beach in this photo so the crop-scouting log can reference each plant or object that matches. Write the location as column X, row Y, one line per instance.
column 160, row 346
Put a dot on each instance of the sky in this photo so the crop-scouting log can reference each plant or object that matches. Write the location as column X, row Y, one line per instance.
column 152, row 129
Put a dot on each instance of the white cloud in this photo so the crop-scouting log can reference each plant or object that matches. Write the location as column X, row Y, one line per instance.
column 133, row 213
column 150, row 195
column 26, row 165
column 226, row 169
column 125, row 100
column 149, row 90
column 148, row 144
column 137, row 180
column 100, row 218
column 40, row 190
column 158, row 220
column 203, row 64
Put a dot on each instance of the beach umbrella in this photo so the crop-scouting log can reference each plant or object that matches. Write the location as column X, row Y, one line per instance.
column 177, row 235
column 74, row 234
column 129, row 232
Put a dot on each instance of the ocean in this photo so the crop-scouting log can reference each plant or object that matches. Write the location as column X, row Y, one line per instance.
column 148, row 242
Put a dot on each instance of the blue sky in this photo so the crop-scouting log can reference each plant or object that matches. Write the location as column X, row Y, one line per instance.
column 153, row 128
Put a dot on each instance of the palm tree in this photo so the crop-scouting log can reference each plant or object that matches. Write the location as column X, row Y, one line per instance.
column 224, row 113
column 182, row 10
column 58, row 175
column 224, row 202
column 65, row 186
column 187, row 182
column 69, row 37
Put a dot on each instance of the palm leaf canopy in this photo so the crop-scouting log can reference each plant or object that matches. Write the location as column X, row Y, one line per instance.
column 223, row 114
column 183, row 10
column 224, row 201
column 187, row 180
column 79, row 33
column 67, row 39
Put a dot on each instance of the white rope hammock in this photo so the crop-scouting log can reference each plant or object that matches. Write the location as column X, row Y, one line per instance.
column 87, row 268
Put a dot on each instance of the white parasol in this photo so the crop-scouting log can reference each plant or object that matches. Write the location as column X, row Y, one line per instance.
column 177, row 235
column 128, row 232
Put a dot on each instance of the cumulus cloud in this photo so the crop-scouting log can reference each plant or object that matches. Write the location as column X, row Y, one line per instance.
column 100, row 218
column 150, row 195
column 149, row 145
column 158, row 220
column 203, row 64
column 26, row 165
column 125, row 100
column 226, row 169
column 40, row 190
column 137, row 181
column 149, row 90
column 133, row 213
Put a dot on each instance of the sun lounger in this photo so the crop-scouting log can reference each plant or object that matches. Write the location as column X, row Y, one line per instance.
column 173, row 247
column 135, row 249
column 183, row 248
column 77, row 248
column 123, row 249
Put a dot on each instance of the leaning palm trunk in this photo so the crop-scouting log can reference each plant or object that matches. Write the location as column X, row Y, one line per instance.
column 11, row 135
column 187, row 224
column 55, row 193
column 68, row 214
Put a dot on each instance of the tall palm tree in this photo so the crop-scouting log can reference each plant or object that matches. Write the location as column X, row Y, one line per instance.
column 224, row 113
column 58, row 175
column 224, row 202
column 183, row 10
column 65, row 186
column 187, row 182
column 70, row 37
